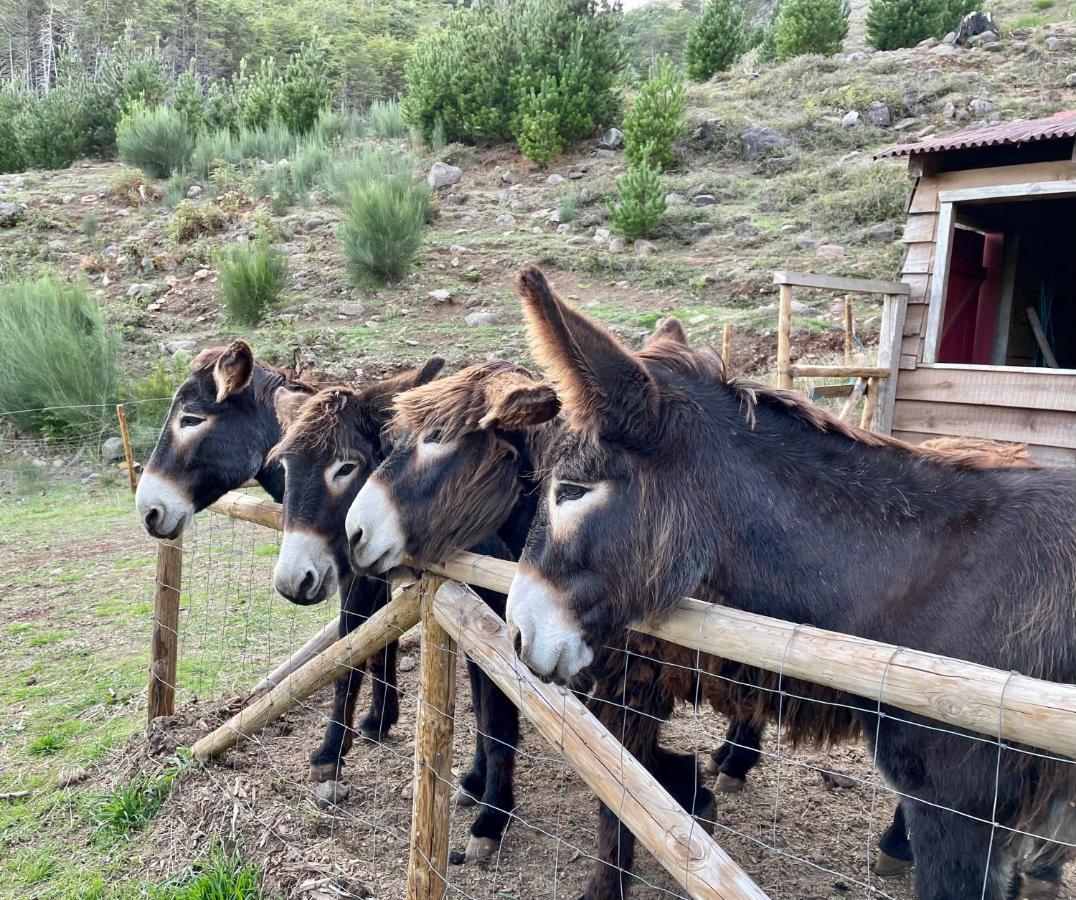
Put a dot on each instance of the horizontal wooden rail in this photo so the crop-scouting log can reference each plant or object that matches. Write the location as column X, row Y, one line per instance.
column 676, row 840
column 799, row 371
column 840, row 283
column 967, row 695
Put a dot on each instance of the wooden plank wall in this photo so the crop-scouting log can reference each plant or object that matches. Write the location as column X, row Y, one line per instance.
column 1031, row 407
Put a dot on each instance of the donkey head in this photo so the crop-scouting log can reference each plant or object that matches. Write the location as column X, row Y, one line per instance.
column 460, row 446
column 217, row 435
column 332, row 442
column 617, row 496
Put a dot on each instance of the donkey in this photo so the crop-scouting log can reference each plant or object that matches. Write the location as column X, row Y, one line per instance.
column 671, row 479
column 332, row 442
column 218, row 435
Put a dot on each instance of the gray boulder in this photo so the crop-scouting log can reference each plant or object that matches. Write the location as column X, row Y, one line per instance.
column 142, row 289
column 757, row 142
column 612, row 139
column 443, row 175
column 850, row 120
column 112, row 449
column 879, row 114
column 881, row 234
column 981, row 108
column 180, row 345
column 1070, row 80
column 11, row 214
column 482, row 318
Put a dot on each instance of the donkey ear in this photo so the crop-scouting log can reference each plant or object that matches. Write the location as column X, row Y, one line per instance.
column 233, row 370
column 429, row 371
column 379, row 396
column 523, row 408
column 599, row 382
column 287, row 403
column 668, row 329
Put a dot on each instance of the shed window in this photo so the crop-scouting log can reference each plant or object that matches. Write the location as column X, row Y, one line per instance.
column 1010, row 298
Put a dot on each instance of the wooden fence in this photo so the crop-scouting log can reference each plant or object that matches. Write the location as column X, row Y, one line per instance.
column 966, row 695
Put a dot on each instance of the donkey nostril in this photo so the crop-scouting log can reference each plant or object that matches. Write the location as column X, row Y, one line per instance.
column 355, row 542
column 307, row 585
column 152, row 518
column 517, row 641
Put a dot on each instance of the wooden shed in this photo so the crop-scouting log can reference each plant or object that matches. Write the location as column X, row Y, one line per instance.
column 988, row 343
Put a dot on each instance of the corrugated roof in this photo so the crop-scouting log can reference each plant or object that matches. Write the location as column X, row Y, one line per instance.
column 1021, row 131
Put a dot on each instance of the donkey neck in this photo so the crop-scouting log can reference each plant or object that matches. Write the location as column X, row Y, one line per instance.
column 266, row 430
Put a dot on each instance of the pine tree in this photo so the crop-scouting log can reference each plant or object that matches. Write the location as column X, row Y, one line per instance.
column 656, row 119
column 810, row 26
column 642, row 200
column 716, row 41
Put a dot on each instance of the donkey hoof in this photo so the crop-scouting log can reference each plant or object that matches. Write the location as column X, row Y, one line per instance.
column 326, row 771
column 726, row 784
column 709, row 765
column 886, row 866
column 836, row 780
column 1036, row 889
column 480, row 849
column 372, row 731
column 462, row 798
column 456, row 858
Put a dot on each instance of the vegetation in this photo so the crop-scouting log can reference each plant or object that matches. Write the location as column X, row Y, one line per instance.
column 641, row 201
column 657, row 29
column 386, row 120
column 892, row 24
column 656, row 118
column 133, row 806
column 58, row 358
column 382, row 232
column 158, row 141
column 716, row 41
column 252, row 279
column 810, row 26
column 223, row 876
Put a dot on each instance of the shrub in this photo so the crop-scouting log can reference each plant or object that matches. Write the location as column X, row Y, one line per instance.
column 252, row 279
column 333, row 126
column 188, row 100
column 275, row 184
column 568, row 208
column 656, row 118
column 272, row 143
column 810, row 26
column 310, row 158
column 386, row 120
column 258, row 95
column 537, row 135
column 892, row 24
column 222, row 107
column 128, row 187
column 49, row 130
column 716, row 41
column 305, row 92
column 642, row 200
column 11, row 104
column 155, row 140
column 192, row 220
column 371, row 163
column 58, row 358
column 382, row 231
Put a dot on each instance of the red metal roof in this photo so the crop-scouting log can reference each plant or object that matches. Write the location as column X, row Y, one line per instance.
column 1020, row 131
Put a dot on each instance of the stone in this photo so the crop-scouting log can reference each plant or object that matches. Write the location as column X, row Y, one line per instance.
column 441, row 295
column 906, row 123
column 702, row 229
column 554, row 179
column 644, row 248
column 564, row 228
column 617, row 244
column 194, row 192
column 58, row 245
column 331, row 793
column 1055, row 44
column 313, row 223
column 882, row 234
column 11, row 214
column 1070, row 80
column 705, row 200
column 612, row 139
column 142, row 289
column 927, row 43
column 179, row 345
column 987, row 37
column 602, row 234
column 287, row 249
column 604, row 152
column 506, row 219
column 757, row 142
column 407, row 663
column 443, row 175
column 584, row 195
column 482, row 318
column 674, row 199
column 879, row 114
column 950, row 38
column 806, row 242
column 706, row 133
column 351, row 309
column 746, row 229
column 112, row 449
column 553, row 217
column 945, row 49
column 509, row 177
column 575, row 175
column 981, row 108
column 829, row 251
column 995, row 47
column 698, row 320
column 948, row 111
column 850, row 120
column 1018, row 46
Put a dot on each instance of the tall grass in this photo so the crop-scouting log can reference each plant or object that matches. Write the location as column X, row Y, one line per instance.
column 333, row 126
column 58, row 358
column 370, row 163
column 272, row 143
column 382, row 231
column 155, row 140
column 252, row 279
column 214, row 149
column 386, row 120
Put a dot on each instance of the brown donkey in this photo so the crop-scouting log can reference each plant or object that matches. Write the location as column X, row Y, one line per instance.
column 672, row 480
column 332, row 442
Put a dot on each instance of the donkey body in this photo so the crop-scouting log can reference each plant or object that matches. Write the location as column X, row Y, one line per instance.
column 219, row 434
column 672, row 480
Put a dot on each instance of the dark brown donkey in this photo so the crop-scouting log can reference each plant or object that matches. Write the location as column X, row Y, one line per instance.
column 219, row 432
column 332, row 442
column 672, row 480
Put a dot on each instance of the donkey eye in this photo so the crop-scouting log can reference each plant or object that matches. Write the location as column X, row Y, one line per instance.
column 345, row 470
column 190, row 421
column 566, row 491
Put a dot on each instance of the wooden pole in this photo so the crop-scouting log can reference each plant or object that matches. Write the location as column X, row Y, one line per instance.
column 675, row 839
column 848, row 330
column 726, row 346
column 250, row 509
column 800, row 371
column 784, row 338
column 382, row 628
column 870, row 404
column 161, row 698
column 317, row 644
column 853, row 399
column 427, row 865
column 128, row 453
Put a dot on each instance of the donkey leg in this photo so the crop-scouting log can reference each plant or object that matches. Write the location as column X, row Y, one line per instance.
column 385, row 709
column 327, row 761
column 499, row 724
column 737, row 756
column 894, row 849
column 473, row 784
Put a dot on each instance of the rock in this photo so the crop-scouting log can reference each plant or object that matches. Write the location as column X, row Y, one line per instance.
column 806, row 242
column 564, row 228
column 949, row 38
column 829, row 251
column 757, row 142
column 584, row 195
column 705, row 200
column 612, row 139
column 331, row 793
column 746, row 229
column 407, row 664
column 142, row 289
column 987, row 37
column 1070, row 80
column 179, row 345
column 1018, row 46
column 58, row 245
column 1055, row 43
column 905, row 124
column 617, row 244
column 443, row 175
column 554, row 179
column 506, row 219
column 194, row 192
column 995, row 47
column 879, row 114
column 11, row 214
column 287, row 249
column 981, row 108
column 972, row 25
column 509, row 177
column 706, row 133
column 351, row 309
column 313, row 223
column 577, row 241
column 927, row 43
column 604, row 152
column 112, row 449
column 850, row 120
column 882, row 234
column 644, row 248
column 441, row 295
column 483, row 318
column 553, row 217
column 675, row 199
column 575, row 175
column 945, row 49
column 948, row 111
column 702, row 229
column 602, row 234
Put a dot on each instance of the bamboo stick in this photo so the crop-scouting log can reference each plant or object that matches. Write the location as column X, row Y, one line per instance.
column 382, row 628
column 128, row 453
column 427, row 865
column 164, row 645
column 784, row 338
column 620, row 781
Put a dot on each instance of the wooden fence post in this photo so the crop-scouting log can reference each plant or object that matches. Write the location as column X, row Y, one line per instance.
column 125, row 438
column 726, row 346
column 848, row 330
column 784, row 338
column 164, row 645
column 427, row 866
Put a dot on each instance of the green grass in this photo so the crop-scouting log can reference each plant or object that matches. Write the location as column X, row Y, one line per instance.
column 155, row 140
column 46, row 744
column 252, row 279
column 132, row 806
column 386, row 120
column 222, row 876
column 382, row 232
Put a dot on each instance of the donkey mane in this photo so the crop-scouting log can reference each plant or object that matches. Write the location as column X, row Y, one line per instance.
column 327, row 421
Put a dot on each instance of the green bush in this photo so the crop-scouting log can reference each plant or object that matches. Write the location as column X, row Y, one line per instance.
column 188, row 99
column 810, row 26
column 892, row 24
column 310, row 158
column 382, row 231
column 11, row 104
column 716, row 41
column 252, row 279
column 214, row 149
column 58, row 359
column 306, row 92
column 258, row 94
column 222, row 109
column 271, row 143
column 537, row 135
column 642, row 200
column 155, row 140
column 386, row 120
column 656, row 118
column 333, row 126
column 370, row 163
column 49, row 130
